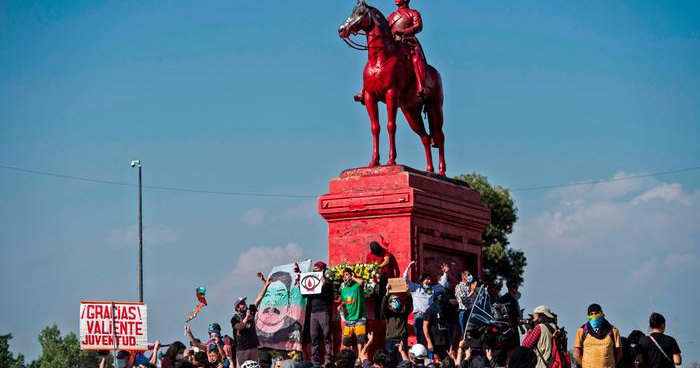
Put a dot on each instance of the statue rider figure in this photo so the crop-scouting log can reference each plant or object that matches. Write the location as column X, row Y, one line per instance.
column 405, row 24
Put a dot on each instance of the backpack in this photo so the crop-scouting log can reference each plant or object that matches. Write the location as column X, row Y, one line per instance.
column 587, row 331
column 559, row 358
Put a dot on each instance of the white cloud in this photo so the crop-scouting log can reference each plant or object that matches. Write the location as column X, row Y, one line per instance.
column 634, row 248
column 254, row 216
column 667, row 192
column 302, row 211
column 254, row 260
column 152, row 235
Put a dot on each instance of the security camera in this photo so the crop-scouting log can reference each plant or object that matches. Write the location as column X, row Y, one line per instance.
column 135, row 163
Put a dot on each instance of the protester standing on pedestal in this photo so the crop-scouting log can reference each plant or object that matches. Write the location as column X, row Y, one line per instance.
column 463, row 293
column 598, row 342
column 320, row 317
column 658, row 350
column 388, row 268
column 422, row 293
column 395, row 310
column 436, row 325
column 352, row 309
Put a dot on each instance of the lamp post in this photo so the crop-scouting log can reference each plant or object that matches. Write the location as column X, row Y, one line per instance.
column 137, row 163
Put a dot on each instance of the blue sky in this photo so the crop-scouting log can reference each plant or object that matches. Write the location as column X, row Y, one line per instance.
column 257, row 96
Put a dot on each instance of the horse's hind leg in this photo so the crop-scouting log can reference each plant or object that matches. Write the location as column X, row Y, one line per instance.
column 415, row 121
column 435, row 119
column 373, row 112
column 391, row 107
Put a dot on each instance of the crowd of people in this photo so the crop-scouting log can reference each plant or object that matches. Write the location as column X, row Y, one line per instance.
column 448, row 332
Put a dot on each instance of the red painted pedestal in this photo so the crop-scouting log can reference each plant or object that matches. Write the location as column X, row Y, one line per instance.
column 418, row 216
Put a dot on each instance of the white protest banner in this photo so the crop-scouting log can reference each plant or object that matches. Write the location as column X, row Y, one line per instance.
column 310, row 282
column 106, row 325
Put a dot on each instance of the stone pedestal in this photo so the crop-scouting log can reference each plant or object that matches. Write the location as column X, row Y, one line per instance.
column 416, row 215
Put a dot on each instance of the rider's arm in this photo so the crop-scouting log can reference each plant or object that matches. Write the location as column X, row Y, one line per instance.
column 417, row 24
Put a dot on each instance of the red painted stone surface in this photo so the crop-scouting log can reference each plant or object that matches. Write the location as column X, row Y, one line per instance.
column 418, row 216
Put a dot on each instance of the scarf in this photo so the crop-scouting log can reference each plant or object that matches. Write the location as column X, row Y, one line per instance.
column 602, row 332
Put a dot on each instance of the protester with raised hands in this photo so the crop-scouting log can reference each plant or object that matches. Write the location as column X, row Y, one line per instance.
column 395, row 309
column 422, row 293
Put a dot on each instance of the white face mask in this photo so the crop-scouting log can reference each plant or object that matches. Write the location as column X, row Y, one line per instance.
column 179, row 357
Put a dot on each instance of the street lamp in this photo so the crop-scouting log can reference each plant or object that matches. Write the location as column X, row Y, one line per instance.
column 137, row 163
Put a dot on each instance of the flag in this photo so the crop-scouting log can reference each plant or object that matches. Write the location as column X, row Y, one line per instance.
column 481, row 313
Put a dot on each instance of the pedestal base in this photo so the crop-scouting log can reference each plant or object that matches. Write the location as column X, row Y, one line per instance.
column 417, row 216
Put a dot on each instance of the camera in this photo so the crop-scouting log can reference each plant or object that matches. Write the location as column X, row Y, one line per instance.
column 528, row 323
column 253, row 309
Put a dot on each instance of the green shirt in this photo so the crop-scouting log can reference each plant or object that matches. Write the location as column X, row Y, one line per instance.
column 353, row 298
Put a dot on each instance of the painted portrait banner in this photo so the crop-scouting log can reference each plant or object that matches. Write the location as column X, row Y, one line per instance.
column 280, row 318
column 107, row 325
column 310, row 283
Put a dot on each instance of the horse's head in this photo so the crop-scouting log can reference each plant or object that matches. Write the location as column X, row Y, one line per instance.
column 359, row 19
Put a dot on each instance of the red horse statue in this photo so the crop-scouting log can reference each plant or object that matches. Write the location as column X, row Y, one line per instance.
column 389, row 77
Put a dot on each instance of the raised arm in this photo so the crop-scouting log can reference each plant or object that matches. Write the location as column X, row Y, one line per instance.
column 444, row 282
column 385, row 261
column 411, row 285
column 262, row 293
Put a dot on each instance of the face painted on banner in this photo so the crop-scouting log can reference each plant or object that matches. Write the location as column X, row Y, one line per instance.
column 277, row 302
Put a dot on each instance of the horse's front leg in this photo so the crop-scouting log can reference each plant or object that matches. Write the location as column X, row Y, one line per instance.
column 373, row 112
column 392, row 104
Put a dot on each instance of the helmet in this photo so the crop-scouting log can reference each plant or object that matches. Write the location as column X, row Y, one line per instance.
column 250, row 364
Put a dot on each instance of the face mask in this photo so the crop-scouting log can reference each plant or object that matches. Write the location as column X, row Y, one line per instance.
column 470, row 279
column 121, row 363
column 179, row 357
column 395, row 304
column 596, row 322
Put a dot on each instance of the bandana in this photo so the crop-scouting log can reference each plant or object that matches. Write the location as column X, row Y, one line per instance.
column 596, row 321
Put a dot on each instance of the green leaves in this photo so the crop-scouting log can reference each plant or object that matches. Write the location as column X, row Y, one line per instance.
column 499, row 259
column 56, row 352
column 6, row 358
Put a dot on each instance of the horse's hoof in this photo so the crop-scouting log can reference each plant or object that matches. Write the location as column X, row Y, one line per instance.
column 374, row 162
column 442, row 172
column 391, row 162
column 430, row 169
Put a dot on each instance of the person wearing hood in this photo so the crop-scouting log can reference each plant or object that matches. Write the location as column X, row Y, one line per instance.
column 598, row 342
column 436, row 325
column 388, row 268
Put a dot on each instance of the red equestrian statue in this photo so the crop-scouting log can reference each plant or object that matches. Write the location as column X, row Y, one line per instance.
column 396, row 73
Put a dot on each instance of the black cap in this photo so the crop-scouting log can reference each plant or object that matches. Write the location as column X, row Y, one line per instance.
column 375, row 248
column 594, row 308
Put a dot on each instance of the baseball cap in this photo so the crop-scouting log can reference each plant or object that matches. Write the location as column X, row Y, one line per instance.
column 542, row 309
column 240, row 300
column 420, row 352
column 320, row 264
column 594, row 308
